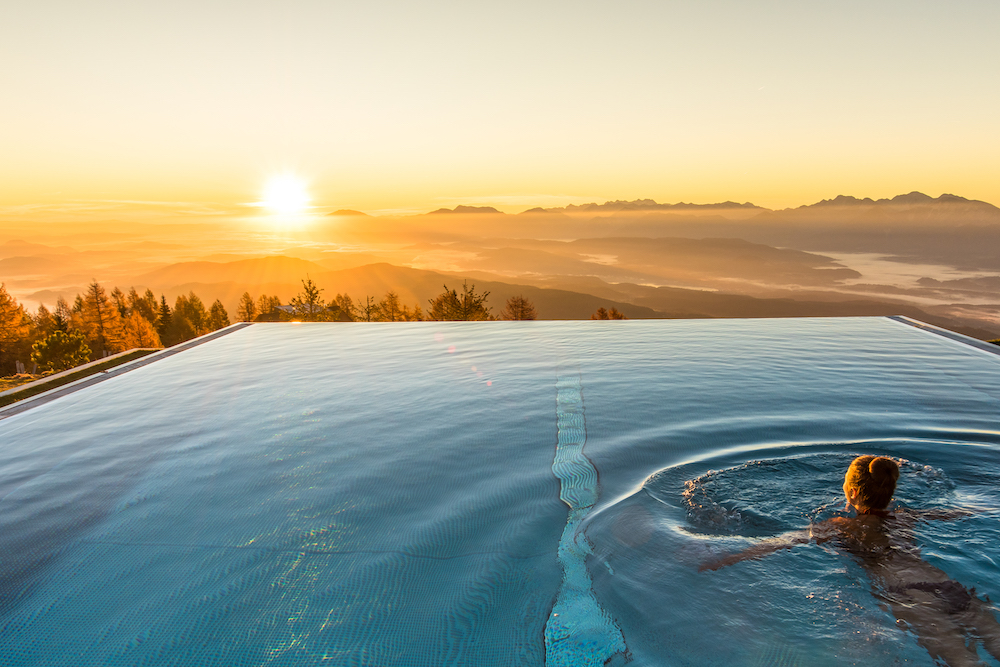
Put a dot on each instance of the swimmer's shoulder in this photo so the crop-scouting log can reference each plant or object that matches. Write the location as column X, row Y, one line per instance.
column 830, row 528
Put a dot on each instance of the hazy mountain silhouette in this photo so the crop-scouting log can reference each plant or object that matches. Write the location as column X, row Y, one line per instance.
column 346, row 212
column 467, row 209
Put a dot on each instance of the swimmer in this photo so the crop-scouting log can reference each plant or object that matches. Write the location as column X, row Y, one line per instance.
column 939, row 610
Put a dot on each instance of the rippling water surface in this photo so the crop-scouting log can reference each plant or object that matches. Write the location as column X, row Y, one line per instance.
column 382, row 494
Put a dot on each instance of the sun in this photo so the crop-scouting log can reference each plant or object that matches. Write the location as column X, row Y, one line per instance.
column 285, row 194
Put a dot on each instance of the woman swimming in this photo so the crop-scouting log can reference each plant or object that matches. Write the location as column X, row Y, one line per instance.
column 939, row 610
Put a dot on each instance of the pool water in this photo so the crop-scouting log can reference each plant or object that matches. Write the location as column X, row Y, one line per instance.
column 508, row 493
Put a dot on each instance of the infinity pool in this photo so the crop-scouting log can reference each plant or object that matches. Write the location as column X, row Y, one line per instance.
column 503, row 493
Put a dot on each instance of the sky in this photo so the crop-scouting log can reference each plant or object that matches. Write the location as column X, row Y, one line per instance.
column 387, row 106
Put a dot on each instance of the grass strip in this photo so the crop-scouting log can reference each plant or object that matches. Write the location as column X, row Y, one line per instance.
column 72, row 377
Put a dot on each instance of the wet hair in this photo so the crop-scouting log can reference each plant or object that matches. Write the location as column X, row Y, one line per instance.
column 875, row 479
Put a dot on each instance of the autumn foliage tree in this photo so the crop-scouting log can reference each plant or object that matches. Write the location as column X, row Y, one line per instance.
column 14, row 329
column 137, row 331
column 102, row 320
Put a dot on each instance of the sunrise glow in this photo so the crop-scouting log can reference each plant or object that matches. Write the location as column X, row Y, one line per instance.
column 286, row 194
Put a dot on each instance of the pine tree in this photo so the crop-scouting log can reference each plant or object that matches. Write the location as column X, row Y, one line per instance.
column 308, row 303
column 470, row 305
column 164, row 319
column 61, row 350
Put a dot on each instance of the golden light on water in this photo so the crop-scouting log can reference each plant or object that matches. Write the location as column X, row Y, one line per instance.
column 286, row 194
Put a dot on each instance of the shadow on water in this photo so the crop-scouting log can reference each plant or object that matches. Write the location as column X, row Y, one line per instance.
column 809, row 605
column 46, row 514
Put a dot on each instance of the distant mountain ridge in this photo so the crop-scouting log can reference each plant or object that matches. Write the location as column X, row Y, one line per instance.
column 909, row 199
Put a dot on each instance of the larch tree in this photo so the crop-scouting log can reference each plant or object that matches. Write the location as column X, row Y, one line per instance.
column 603, row 314
column 342, row 308
column 121, row 302
column 145, row 304
column 389, row 309
column 15, row 325
column 518, row 308
column 103, row 321
column 246, row 311
column 138, row 332
column 217, row 316
column 266, row 305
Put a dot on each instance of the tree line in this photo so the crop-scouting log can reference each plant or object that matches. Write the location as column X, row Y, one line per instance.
column 451, row 304
column 98, row 323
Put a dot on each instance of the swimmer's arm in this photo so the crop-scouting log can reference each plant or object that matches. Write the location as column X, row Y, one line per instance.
column 818, row 532
column 759, row 550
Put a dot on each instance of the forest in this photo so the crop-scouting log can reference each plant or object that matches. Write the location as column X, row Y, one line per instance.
column 99, row 323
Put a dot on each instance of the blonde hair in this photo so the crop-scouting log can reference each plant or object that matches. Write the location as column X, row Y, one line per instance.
column 874, row 478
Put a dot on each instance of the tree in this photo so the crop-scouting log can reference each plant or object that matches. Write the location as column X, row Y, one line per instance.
column 138, row 332
column 121, row 302
column 415, row 315
column 61, row 350
column 266, row 307
column 308, row 304
column 217, row 316
column 342, row 308
column 101, row 317
column 613, row 314
column 369, row 311
column 247, row 310
column 388, row 309
column 146, row 305
column 164, row 318
column 449, row 305
column 192, row 309
column 15, row 326
column 518, row 308
column 44, row 323
column 62, row 317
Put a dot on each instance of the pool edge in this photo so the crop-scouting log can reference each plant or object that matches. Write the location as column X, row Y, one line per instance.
column 982, row 345
column 96, row 378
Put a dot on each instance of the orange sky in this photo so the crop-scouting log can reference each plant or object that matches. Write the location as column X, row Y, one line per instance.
column 411, row 106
